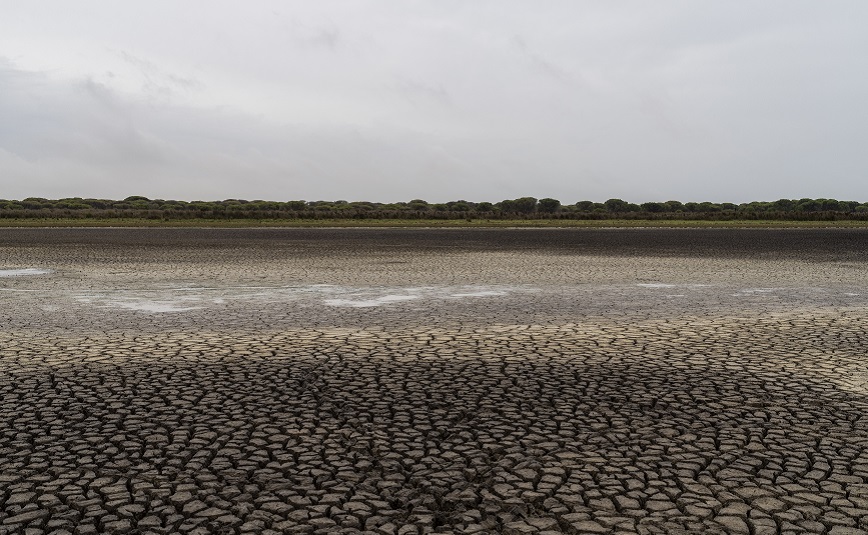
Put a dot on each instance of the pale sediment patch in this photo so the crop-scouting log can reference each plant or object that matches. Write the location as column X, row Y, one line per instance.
column 366, row 303
column 670, row 285
column 361, row 297
column 747, row 292
column 139, row 304
column 178, row 298
column 759, row 290
column 852, row 379
column 16, row 290
column 483, row 293
column 149, row 306
column 24, row 272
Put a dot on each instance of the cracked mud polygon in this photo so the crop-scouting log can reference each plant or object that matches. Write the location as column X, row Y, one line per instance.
column 396, row 381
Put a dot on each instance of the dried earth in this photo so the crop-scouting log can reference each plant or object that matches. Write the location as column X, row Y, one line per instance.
column 398, row 381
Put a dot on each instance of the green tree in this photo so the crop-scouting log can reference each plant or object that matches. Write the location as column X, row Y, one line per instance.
column 616, row 205
column 484, row 207
column 653, row 207
column 830, row 205
column 709, row 207
column 549, row 205
column 674, row 206
column 525, row 205
column 784, row 205
column 809, row 205
column 419, row 205
column 34, row 203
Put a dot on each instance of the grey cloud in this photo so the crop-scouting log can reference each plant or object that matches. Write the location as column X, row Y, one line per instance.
column 542, row 65
column 367, row 99
column 327, row 37
column 157, row 78
column 94, row 143
column 415, row 91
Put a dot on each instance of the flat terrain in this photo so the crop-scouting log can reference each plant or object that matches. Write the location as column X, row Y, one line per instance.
column 398, row 381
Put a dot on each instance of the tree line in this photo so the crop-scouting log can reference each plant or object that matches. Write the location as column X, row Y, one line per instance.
column 139, row 207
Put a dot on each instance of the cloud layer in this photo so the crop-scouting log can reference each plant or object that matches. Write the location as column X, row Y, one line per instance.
column 722, row 101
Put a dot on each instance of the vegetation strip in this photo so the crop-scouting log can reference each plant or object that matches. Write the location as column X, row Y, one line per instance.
column 524, row 211
column 425, row 223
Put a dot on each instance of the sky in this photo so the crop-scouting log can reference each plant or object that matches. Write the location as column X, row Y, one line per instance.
column 482, row 100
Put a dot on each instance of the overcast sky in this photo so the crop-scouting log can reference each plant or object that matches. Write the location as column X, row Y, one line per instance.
column 441, row 99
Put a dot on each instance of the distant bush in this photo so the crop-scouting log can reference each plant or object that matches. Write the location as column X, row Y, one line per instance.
column 137, row 206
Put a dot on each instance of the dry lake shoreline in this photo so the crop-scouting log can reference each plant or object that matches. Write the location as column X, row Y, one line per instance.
column 397, row 381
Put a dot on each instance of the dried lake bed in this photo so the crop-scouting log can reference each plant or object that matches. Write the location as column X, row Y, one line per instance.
column 398, row 381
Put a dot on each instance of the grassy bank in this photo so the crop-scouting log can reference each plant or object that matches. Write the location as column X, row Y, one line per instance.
column 410, row 223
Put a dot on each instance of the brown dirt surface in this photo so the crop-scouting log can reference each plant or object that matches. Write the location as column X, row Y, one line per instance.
column 409, row 381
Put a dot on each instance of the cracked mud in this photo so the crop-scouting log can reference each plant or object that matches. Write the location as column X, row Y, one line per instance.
column 433, row 381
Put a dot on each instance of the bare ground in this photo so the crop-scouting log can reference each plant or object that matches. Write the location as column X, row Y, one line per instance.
column 433, row 381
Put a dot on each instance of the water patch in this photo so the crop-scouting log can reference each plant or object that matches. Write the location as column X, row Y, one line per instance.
column 25, row 272
column 366, row 303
